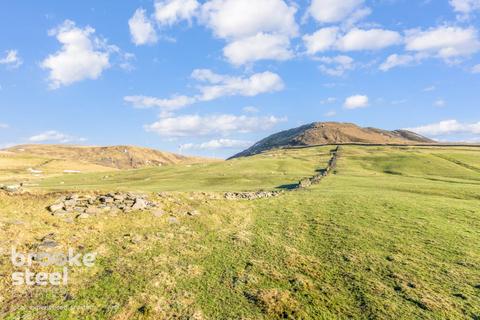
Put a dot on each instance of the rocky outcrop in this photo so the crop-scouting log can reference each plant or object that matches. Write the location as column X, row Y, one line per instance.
column 84, row 206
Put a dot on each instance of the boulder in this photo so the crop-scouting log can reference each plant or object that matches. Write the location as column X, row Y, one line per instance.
column 139, row 204
column 56, row 207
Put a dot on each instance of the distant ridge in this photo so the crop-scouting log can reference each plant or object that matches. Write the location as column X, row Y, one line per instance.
column 119, row 157
column 319, row 133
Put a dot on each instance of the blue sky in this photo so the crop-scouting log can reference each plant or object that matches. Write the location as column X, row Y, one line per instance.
column 211, row 77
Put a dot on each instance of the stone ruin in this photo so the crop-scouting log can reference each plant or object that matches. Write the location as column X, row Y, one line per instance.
column 251, row 195
column 84, row 206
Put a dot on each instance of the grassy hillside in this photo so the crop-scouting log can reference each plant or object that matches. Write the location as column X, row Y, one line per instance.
column 393, row 234
column 266, row 171
column 117, row 157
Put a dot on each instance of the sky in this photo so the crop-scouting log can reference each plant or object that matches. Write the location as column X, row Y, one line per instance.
column 212, row 77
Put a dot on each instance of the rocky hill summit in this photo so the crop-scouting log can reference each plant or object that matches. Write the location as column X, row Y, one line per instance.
column 322, row 133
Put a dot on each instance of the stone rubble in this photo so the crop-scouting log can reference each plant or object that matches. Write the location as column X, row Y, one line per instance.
column 251, row 195
column 84, row 206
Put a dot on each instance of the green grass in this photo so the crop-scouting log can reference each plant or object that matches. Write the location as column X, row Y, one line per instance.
column 266, row 171
column 393, row 234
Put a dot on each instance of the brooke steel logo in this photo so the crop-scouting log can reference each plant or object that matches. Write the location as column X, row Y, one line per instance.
column 36, row 260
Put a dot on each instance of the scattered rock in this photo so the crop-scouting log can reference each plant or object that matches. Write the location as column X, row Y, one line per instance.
column 193, row 213
column 56, row 207
column 83, row 216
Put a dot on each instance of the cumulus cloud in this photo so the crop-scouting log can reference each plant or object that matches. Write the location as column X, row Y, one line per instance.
column 332, row 11
column 354, row 40
column 447, row 127
column 11, row 59
column 254, row 30
column 446, row 42
column 213, row 86
column 4, row 126
column 258, row 47
column 322, row 40
column 239, row 19
column 465, row 7
column 356, row 101
column 169, row 12
column 196, row 125
column 81, row 57
column 398, row 60
column 336, row 66
column 141, row 28
column 476, row 69
column 217, row 144
column 256, row 84
column 54, row 136
column 373, row 39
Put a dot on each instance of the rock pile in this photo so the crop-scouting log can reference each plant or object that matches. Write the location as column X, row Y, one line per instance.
column 83, row 206
column 251, row 195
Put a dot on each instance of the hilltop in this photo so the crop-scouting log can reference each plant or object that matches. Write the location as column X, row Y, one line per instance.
column 323, row 133
column 118, row 157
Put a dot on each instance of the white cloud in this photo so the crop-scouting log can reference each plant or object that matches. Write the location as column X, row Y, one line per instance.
column 213, row 86
column 476, row 69
column 141, row 28
column 11, row 59
column 171, row 104
column 169, row 12
column 254, row 30
column 329, row 100
column 231, row 86
column 354, row 40
column 332, row 11
column 195, row 125
column 217, row 144
column 397, row 60
column 444, row 42
column 54, row 136
column 4, row 126
column 429, row 89
column 465, row 6
column 250, row 109
column 322, row 40
column 440, row 103
column 331, row 113
column 258, row 47
column 233, row 19
column 373, row 39
column 447, row 127
column 81, row 57
column 336, row 66
column 356, row 101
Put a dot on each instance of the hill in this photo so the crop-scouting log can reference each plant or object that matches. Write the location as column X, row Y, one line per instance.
column 391, row 233
column 118, row 157
column 321, row 133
